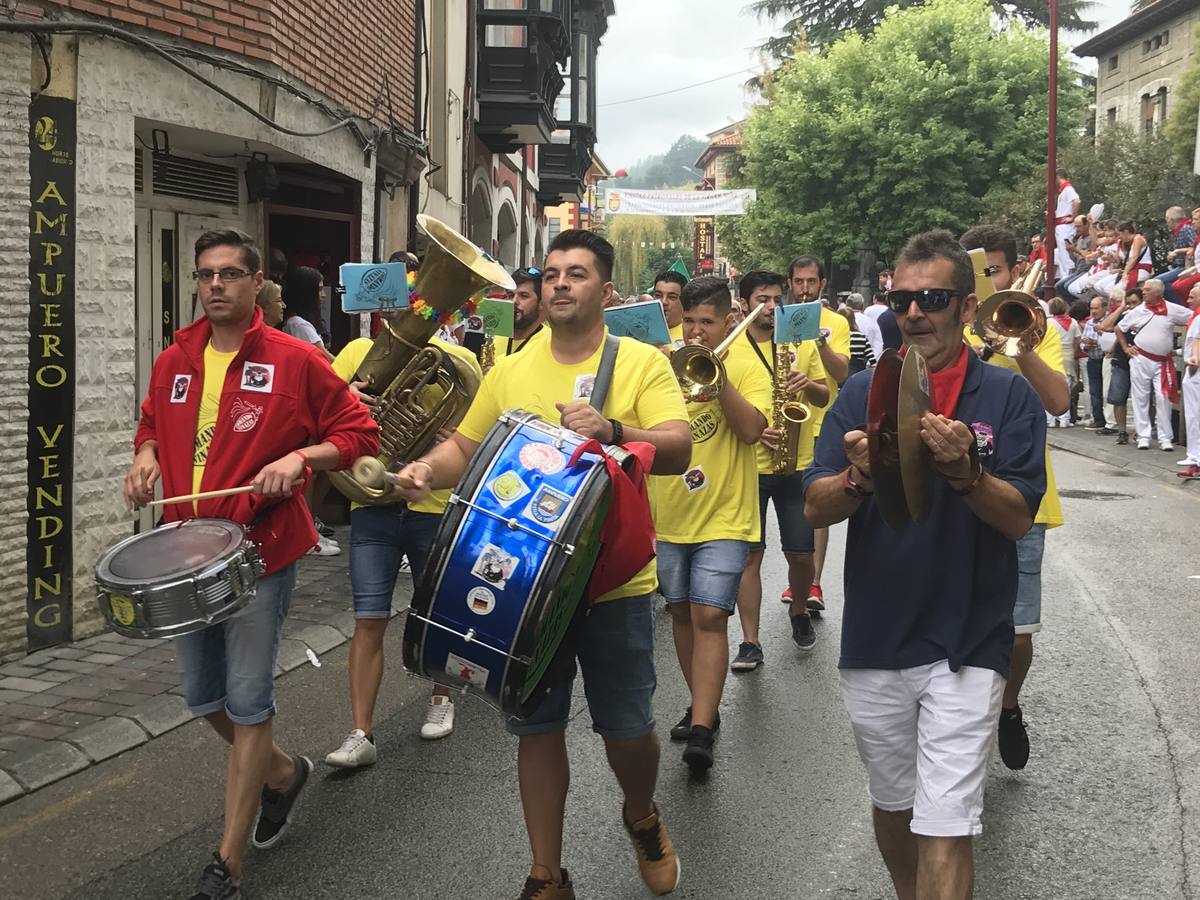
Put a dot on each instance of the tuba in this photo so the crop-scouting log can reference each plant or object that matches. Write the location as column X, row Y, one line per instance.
column 1012, row 322
column 421, row 389
column 787, row 415
column 699, row 371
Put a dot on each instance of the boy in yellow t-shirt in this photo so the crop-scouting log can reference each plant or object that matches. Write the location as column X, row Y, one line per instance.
column 805, row 381
column 707, row 517
column 668, row 290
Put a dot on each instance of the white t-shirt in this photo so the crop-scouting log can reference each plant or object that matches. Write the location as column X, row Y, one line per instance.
column 1066, row 197
column 301, row 329
column 1068, row 336
column 871, row 331
column 874, row 311
column 1193, row 334
column 1155, row 334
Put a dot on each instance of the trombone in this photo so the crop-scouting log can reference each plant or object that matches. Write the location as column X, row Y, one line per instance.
column 1012, row 322
column 699, row 371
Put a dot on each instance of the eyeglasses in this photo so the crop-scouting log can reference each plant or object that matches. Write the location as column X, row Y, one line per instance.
column 226, row 275
column 928, row 300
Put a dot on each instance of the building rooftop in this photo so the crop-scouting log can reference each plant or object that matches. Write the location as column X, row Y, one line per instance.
column 1133, row 27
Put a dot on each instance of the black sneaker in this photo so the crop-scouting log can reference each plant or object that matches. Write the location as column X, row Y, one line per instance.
column 1014, row 739
column 278, row 807
column 682, row 730
column 803, row 635
column 699, row 752
column 1123, row 437
column 216, row 883
column 749, row 657
column 322, row 529
column 1106, row 430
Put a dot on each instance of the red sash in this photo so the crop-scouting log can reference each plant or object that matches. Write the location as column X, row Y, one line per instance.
column 1168, row 378
column 627, row 535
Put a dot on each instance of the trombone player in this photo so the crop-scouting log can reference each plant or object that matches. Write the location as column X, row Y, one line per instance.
column 1043, row 367
column 803, row 379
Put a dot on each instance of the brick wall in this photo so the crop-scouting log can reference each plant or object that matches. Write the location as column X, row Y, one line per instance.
column 341, row 49
column 14, row 325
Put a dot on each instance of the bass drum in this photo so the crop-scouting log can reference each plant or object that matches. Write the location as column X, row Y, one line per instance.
column 510, row 564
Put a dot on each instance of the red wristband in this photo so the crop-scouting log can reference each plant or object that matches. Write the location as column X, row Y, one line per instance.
column 301, row 455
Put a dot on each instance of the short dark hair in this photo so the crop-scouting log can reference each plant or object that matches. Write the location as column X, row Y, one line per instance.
column 1128, row 225
column 1107, row 224
column 671, row 277
column 759, row 278
column 879, row 297
column 578, row 238
column 524, row 276
column 940, row 244
column 1061, row 171
column 707, row 289
column 805, row 262
column 993, row 239
column 231, row 237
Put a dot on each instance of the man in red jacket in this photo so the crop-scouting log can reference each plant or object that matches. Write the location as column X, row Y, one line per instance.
column 232, row 402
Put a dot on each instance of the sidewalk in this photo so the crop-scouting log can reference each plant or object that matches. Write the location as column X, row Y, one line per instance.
column 1153, row 463
column 69, row 707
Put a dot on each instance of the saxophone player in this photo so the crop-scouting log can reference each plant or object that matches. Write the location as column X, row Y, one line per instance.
column 804, row 379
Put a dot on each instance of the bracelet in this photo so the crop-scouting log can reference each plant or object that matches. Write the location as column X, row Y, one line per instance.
column 301, row 455
column 618, row 432
column 851, row 487
column 972, row 484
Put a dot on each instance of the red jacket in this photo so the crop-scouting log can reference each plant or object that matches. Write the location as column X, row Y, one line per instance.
column 279, row 395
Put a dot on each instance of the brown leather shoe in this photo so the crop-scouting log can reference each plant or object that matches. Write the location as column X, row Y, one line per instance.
column 656, row 858
column 541, row 885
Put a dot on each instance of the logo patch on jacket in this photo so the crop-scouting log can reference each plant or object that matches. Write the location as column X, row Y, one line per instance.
column 258, row 377
column 985, row 441
column 179, row 389
column 245, row 415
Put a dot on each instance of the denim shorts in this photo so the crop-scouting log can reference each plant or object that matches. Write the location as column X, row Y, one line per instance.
column 231, row 665
column 1027, row 611
column 379, row 537
column 1118, row 386
column 787, row 492
column 613, row 642
column 706, row 573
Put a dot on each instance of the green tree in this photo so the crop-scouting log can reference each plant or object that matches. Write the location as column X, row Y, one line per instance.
column 821, row 22
column 1135, row 176
column 645, row 246
column 904, row 130
column 1180, row 127
column 665, row 169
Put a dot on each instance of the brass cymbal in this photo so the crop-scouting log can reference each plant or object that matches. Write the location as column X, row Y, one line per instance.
column 916, row 460
column 883, row 443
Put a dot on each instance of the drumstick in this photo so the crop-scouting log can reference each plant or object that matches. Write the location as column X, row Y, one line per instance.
column 204, row 495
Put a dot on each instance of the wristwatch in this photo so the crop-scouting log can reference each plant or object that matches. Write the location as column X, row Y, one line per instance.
column 618, row 432
column 852, row 487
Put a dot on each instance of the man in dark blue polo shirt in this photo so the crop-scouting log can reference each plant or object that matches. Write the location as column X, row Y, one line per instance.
column 927, row 633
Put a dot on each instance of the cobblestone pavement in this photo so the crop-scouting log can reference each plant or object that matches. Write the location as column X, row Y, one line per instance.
column 69, row 707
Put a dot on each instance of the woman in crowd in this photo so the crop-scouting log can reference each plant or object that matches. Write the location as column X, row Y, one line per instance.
column 270, row 299
column 1069, row 333
column 302, row 294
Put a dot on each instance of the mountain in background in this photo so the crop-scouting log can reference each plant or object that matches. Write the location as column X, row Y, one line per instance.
column 666, row 170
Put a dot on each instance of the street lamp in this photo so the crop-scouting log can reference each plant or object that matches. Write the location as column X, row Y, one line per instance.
column 1052, row 157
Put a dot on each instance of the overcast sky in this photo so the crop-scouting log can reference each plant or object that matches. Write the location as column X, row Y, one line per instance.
column 658, row 45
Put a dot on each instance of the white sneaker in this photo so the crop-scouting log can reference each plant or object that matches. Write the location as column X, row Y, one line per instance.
column 1187, row 462
column 325, row 547
column 356, row 750
column 439, row 718
column 1166, row 445
column 1143, row 443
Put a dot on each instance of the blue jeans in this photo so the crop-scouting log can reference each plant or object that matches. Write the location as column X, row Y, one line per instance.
column 1118, row 386
column 1027, row 610
column 231, row 665
column 706, row 573
column 787, row 492
column 1168, row 282
column 379, row 537
column 1095, row 373
column 614, row 644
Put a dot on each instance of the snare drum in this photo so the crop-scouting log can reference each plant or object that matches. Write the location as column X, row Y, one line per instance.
column 177, row 578
column 510, row 563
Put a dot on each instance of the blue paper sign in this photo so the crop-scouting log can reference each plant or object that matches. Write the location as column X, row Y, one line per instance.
column 645, row 322
column 797, row 322
column 371, row 287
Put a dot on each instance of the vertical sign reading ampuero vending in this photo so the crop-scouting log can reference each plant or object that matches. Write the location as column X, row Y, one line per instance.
column 51, row 369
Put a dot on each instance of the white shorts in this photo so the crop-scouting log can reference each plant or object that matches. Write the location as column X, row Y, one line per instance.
column 925, row 735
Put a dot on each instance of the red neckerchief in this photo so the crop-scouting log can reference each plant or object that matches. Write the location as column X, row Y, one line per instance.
column 945, row 385
column 627, row 534
column 1064, row 321
column 1195, row 313
column 1062, row 187
column 1159, row 308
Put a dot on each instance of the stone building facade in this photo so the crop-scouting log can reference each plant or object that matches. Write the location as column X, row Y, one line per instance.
column 1140, row 61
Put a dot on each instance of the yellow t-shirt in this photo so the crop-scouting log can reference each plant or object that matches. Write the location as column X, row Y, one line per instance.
column 717, row 498
column 839, row 342
column 644, row 394
column 676, row 335
column 216, row 364
column 346, row 365
column 507, row 346
column 1049, row 350
column 806, row 359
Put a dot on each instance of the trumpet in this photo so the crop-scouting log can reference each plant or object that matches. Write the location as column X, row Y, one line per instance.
column 1012, row 322
column 787, row 415
column 699, row 371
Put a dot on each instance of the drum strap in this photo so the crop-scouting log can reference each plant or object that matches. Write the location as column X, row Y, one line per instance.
column 608, row 362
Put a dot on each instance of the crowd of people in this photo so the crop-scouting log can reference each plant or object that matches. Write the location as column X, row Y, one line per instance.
column 936, row 634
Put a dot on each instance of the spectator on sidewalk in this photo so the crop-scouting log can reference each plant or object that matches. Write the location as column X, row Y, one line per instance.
column 1183, row 239
column 1136, row 262
column 1152, row 371
column 1102, row 275
column 862, row 356
column 866, row 324
column 887, row 326
column 1090, row 344
column 1118, row 376
column 878, row 304
column 1068, row 333
column 1083, row 253
column 1191, row 388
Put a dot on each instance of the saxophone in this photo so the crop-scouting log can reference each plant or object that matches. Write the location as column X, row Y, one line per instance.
column 421, row 389
column 787, row 415
column 487, row 353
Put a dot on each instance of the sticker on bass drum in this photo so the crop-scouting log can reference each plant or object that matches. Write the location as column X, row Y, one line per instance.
column 547, row 505
column 494, row 566
column 466, row 670
column 542, row 458
column 481, row 601
column 508, row 488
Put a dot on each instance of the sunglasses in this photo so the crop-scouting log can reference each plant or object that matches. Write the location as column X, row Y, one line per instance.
column 531, row 271
column 928, row 300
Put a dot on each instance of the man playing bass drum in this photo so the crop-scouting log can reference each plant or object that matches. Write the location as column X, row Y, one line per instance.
column 615, row 640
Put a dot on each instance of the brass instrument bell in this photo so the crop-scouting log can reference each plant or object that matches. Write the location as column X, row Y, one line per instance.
column 1012, row 322
column 699, row 371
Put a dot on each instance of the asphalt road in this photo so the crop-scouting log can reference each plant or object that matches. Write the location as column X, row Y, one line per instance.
column 1106, row 809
